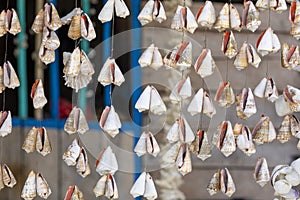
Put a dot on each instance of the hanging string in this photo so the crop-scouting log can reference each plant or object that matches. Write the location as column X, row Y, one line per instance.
column 7, row 4
column 112, row 35
column 76, row 3
column 226, row 74
column 205, row 42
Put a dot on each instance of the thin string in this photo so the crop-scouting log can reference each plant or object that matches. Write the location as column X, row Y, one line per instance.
column 200, row 123
column 76, row 3
column 269, row 20
column 7, row 4
column 205, row 42
column 112, row 35
column 226, row 75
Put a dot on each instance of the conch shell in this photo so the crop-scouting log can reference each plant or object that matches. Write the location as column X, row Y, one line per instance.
column 290, row 57
column 250, row 17
column 201, row 146
column 42, row 142
column 82, row 166
column 268, row 42
column 38, row 95
column 292, row 98
column 74, row 193
column 5, row 123
column 294, row 15
column 184, row 20
column 153, row 10
column 106, row 186
column 151, row 57
column 10, row 78
column 228, row 18
column 12, row 23
column 9, row 179
column 244, row 141
column 72, row 153
column 147, row 144
column 278, row 5
column 266, row 89
column 224, row 95
column 29, row 144
column 180, row 131
column 224, row 139
column 110, row 121
column 247, row 55
column 76, row 122
column 201, row 103
column 29, row 188
column 289, row 126
column 229, row 45
column 181, row 91
column 3, row 30
column 150, row 100
column 75, row 28
column 206, row 15
column 107, row 162
column 106, row 14
column 264, row 131
column 51, row 18
column 205, row 64
column 245, row 104
column 42, row 187
column 144, row 186
column 87, row 28
column 111, row 73
column 183, row 159
column 295, row 31
column 180, row 57
column 261, row 173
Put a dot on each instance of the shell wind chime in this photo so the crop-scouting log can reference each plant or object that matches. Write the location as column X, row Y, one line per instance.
column 7, row 178
column 268, row 42
column 76, row 122
column 244, row 139
column 264, row 131
column 278, row 5
column 206, row 15
column 181, row 91
column 205, row 64
column 261, row 172
column 9, row 22
column 5, row 123
column 246, row 55
column 267, row 89
column 184, row 20
column 144, row 186
column 250, row 17
column 153, row 10
column 289, row 127
column 288, row 102
column 290, row 57
column 229, row 45
column 74, row 193
column 9, row 77
column 107, row 12
column 228, row 18
column 147, row 144
column 224, row 95
column 201, row 146
column 245, row 104
column 38, row 95
column 110, row 73
column 110, row 121
column 180, row 131
column 151, row 57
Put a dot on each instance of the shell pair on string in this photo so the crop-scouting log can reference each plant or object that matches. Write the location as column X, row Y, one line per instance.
column 106, row 186
column 250, row 16
column 77, row 156
column 9, row 22
column 228, row 18
column 221, row 181
column 264, row 131
column 267, row 89
column 288, row 102
column 153, row 10
column 37, row 140
column 224, row 138
column 268, row 42
column 110, row 121
column 80, row 25
column 8, row 77
column 276, row 5
column 246, row 55
column 6, row 177
column 294, row 17
column 205, row 64
column 181, row 91
column 224, row 95
column 73, row 193
column 229, row 45
column 144, row 186
column 245, row 104
column 110, row 73
column 261, row 173
column 201, row 146
column 151, row 57
column 184, row 20
column 34, row 185
column 206, row 15
column 38, row 95
column 244, row 139
column 147, row 144
column 78, row 69
column 5, row 123
column 76, row 122
column 107, row 12
column 180, row 131
column 290, row 57
column 289, row 127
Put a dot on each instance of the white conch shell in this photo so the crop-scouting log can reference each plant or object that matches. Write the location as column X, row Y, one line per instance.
column 51, row 18
column 42, row 187
column 224, row 95
column 228, row 18
column 201, row 103
column 226, row 182
column 295, row 31
column 244, row 141
column 290, row 57
column 73, row 193
column 206, row 15
column 264, row 131
column 42, row 142
column 224, row 139
column 147, row 144
column 278, row 5
column 110, row 121
column 180, row 57
column 266, row 89
column 5, row 123
column 144, row 186
column 72, row 153
column 9, row 179
column 82, row 166
column 106, row 186
column 76, row 122
column 38, row 95
column 153, row 10
column 106, row 14
column 205, row 64
column 110, row 73
column 181, row 91
column 184, row 20
column 106, row 162
column 201, row 146
column 150, row 100
column 12, row 22
column 261, row 173
column 247, row 55
column 282, row 106
column 229, row 45
column 29, row 188
column 87, row 28
column 292, row 98
column 245, row 104
column 180, row 131
column 183, row 160
column 10, row 79
column 151, row 57
column 268, row 42
column 159, row 13
column 250, row 17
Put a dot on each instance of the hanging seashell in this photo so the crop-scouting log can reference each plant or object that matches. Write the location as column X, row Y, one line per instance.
column 282, row 106
column 183, row 160
column 151, row 57
column 38, row 23
column 201, row 103
column 224, row 139
column 10, row 79
column 110, row 73
column 229, row 45
column 3, row 30
column 184, row 20
column 250, row 17
column 121, row 9
column 107, row 162
column 294, row 14
column 205, row 64
column 75, row 27
column 42, row 187
column 159, row 13
column 278, row 6
column 5, row 123
column 292, row 97
column 181, row 91
column 214, row 185
column 261, row 173
column 12, row 23
column 74, row 193
column 201, row 146
column 206, row 15
column 153, row 10
column 226, row 183
column 245, row 104
column 295, row 31
column 47, row 56
column 76, row 122
column 29, row 144
column 150, row 100
column 289, row 126
column 43, row 145
column 1, row 179
column 290, row 57
column 266, row 89
column 268, row 42
column 169, row 158
column 29, row 188
column 50, row 40
column 224, row 95
column 237, row 129
column 51, row 17
column 144, row 186
column 72, row 153
column 110, row 121
column 147, row 144
column 9, row 179
column 106, row 14
column 244, row 141
column 38, row 95
column 87, row 28
column 180, row 131
column 247, row 55
column 180, row 57
column 228, row 18
column 264, row 131
column 82, row 166
column 106, row 186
